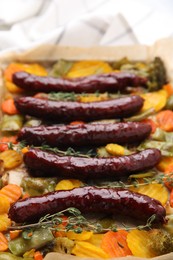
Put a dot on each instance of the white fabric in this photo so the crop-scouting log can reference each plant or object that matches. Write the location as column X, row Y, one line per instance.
column 28, row 23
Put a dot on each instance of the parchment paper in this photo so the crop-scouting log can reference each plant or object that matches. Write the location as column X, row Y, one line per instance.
column 162, row 48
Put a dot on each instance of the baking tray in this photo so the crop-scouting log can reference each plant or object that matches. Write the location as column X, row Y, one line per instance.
column 51, row 53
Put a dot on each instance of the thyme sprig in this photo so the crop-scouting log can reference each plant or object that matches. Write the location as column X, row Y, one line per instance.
column 75, row 222
column 160, row 179
column 18, row 147
column 69, row 152
column 66, row 96
column 72, row 96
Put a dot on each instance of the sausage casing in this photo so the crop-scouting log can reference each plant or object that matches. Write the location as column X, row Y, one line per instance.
column 66, row 111
column 85, row 134
column 88, row 199
column 42, row 163
column 102, row 82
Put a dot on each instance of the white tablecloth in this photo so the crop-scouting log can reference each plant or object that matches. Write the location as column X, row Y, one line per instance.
column 28, row 23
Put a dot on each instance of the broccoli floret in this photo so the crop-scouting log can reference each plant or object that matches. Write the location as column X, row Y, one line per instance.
column 160, row 241
column 157, row 74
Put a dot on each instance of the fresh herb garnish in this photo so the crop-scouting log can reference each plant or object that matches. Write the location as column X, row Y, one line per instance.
column 69, row 152
column 73, row 221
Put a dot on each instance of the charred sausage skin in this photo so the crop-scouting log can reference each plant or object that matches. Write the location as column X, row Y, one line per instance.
column 85, row 134
column 103, row 82
column 67, row 111
column 42, row 163
column 88, row 199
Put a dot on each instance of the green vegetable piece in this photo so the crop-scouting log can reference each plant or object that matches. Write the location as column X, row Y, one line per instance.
column 9, row 256
column 159, row 135
column 11, row 123
column 169, row 137
column 142, row 175
column 61, row 68
column 118, row 64
column 154, row 71
column 40, row 238
column 156, row 74
column 33, row 122
column 38, row 186
column 160, row 241
column 101, row 152
column 166, row 148
column 106, row 222
column 169, row 104
column 141, row 116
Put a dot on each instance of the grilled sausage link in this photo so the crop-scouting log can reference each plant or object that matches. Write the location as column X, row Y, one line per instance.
column 85, row 134
column 102, row 82
column 88, row 199
column 42, row 163
column 64, row 111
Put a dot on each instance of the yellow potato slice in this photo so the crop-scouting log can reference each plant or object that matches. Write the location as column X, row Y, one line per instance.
column 115, row 149
column 13, row 88
column 156, row 100
column 5, row 222
column 154, row 190
column 137, row 241
column 96, row 239
column 68, row 184
column 85, row 249
column 4, row 204
column 11, row 159
column 86, row 68
column 85, row 235
column 93, row 97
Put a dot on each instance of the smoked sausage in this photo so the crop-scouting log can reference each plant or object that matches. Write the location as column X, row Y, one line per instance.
column 42, row 163
column 88, row 199
column 110, row 82
column 67, row 111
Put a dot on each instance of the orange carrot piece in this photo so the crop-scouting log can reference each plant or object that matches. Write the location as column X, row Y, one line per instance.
column 9, row 107
column 167, row 180
column 166, row 164
column 3, row 147
column 7, row 139
column 169, row 89
column 165, row 120
column 151, row 123
column 38, row 255
column 33, row 68
column 14, row 234
column 25, row 150
column 77, row 123
column 12, row 191
column 171, row 199
column 12, row 68
column 3, row 243
column 169, row 169
column 115, row 244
